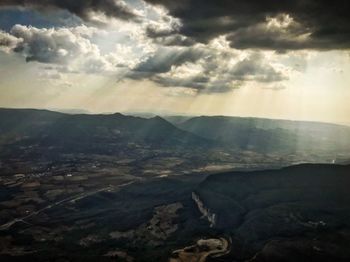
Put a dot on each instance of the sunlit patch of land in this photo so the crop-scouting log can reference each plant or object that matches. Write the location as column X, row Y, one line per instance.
column 199, row 252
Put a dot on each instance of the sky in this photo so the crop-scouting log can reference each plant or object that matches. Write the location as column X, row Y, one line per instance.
column 285, row 59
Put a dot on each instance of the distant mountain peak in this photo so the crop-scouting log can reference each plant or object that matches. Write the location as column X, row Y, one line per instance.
column 117, row 114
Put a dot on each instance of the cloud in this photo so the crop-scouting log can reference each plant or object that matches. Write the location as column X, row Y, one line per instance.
column 254, row 68
column 157, row 49
column 165, row 58
column 7, row 41
column 174, row 40
column 68, row 48
column 269, row 24
column 51, row 45
column 208, row 68
column 213, row 76
column 82, row 8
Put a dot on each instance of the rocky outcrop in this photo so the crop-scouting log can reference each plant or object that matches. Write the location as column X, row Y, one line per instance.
column 206, row 212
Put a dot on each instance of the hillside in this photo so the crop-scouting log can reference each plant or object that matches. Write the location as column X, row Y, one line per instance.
column 267, row 135
column 26, row 127
column 292, row 214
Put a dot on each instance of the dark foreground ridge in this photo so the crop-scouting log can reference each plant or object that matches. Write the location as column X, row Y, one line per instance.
column 298, row 213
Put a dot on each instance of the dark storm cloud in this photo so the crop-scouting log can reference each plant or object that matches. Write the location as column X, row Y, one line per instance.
column 168, row 37
column 81, row 8
column 165, row 58
column 317, row 24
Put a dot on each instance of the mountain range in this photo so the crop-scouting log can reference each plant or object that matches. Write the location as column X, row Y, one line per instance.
column 267, row 135
column 106, row 133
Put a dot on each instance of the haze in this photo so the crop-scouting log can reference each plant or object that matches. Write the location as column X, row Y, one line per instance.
column 166, row 58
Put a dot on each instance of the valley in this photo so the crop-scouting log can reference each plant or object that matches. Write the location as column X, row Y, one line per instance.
column 123, row 188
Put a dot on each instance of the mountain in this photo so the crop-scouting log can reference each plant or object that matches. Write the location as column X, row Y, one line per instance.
column 177, row 120
column 27, row 127
column 267, row 135
column 298, row 213
column 46, row 132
